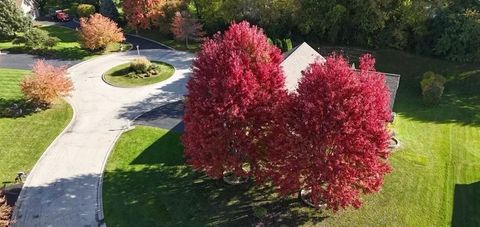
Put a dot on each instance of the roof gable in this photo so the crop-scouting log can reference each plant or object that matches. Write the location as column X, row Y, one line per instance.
column 301, row 57
column 297, row 60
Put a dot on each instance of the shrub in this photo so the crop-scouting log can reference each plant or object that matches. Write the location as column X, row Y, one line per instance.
column 432, row 86
column 12, row 19
column 85, row 10
column 46, row 84
column 72, row 11
column 97, row 32
column 140, row 65
column 37, row 39
column 287, row 44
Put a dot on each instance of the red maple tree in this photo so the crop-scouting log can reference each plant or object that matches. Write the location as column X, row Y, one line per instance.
column 331, row 137
column 184, row 27
column 235, row 88
column 142, row 14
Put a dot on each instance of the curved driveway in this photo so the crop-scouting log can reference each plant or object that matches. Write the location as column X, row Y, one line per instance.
column 63, row 187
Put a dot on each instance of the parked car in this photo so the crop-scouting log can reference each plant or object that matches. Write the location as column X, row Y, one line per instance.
column 60, row 15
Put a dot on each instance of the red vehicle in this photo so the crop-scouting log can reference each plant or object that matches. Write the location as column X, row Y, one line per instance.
column 60, row 15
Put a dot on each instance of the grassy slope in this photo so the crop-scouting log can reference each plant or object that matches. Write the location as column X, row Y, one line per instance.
column 69, row 46
column 117, row 76
column 435, row 182
column 24, row 139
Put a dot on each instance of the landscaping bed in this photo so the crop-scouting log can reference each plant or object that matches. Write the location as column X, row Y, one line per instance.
column 124, row 76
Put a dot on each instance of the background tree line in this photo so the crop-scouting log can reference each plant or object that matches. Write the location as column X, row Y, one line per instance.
column 443, row 28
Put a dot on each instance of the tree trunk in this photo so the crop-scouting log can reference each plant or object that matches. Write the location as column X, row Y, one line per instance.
column 186, row 42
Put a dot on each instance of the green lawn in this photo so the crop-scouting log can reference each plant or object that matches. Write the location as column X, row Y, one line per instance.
column 24, row 139
column 169, row 41
column 68, row 47
column 435, row 179
column 117, row 76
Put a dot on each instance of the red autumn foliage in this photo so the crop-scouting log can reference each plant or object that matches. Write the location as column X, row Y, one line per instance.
column 184, row 27
column 46, row 84
column 331, row 136
column 97, row 32
column 236, row 85
column 143, row 14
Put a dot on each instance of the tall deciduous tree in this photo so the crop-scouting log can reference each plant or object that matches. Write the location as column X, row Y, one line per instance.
column 331, row 137
column 142, row 14
column 235, row 88
column 12, row 19
column 46, row 84
column 97, row 32
column 184, row 27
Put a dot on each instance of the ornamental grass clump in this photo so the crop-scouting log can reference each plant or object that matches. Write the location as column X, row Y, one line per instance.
column 432, row 86
column 141, row 67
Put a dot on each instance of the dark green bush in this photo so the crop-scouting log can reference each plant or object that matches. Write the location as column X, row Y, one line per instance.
column 432, row 86
column 287, row 44
column 37, row 39
column 72, row 11
column 85, row 10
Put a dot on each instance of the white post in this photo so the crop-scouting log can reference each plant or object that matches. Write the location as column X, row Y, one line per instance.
column 138, row 50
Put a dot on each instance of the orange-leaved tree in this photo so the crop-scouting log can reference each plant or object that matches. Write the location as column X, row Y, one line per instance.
column 97, row 32
column 143, row 13
column 184, row 27
column 46, row 83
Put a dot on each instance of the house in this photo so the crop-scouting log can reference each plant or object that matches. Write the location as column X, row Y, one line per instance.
column 29, row 7
column 300, row 57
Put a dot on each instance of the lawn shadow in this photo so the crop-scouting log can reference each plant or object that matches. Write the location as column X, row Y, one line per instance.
column 176, row 196
column 466, row 208
column 15, row 108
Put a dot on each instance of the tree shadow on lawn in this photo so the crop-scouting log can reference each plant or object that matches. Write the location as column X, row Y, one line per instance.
column 466, row 208
column 166, row 192
column 15, row 108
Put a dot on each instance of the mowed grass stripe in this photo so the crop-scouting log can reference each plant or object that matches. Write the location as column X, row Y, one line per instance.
column 24, row 139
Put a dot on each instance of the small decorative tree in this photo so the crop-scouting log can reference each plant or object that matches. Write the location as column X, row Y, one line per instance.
column 12, row 19
column 46, row 84
column 142, row 14
column 184, row 27
column 235, row 88
column 97, row 32
column 331, row 138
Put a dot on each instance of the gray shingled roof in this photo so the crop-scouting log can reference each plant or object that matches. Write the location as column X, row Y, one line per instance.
column 300, row 57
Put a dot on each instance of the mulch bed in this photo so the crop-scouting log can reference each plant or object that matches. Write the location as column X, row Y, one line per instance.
column 8, row 197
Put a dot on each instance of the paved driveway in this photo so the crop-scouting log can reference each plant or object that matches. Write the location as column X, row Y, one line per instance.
column 25, row 61
column 63, row 187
